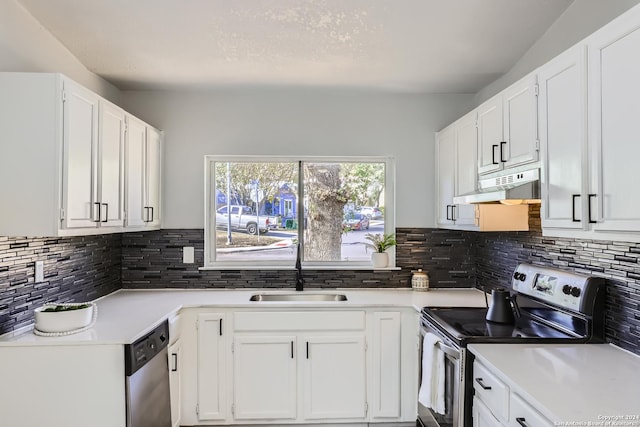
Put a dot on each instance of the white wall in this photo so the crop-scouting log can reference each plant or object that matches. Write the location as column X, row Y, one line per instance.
column 581, row 18
column 297, row 121
column 25, row 45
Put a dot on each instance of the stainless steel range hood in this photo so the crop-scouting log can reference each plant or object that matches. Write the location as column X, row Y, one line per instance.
column 511, row 189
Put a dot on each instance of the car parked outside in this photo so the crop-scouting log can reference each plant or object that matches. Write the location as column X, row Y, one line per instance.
column 355, row 221
column 371, row 212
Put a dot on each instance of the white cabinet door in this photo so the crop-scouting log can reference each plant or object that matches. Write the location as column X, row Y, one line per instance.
column 80, row 135
column 563, row 140
column 490, row 135
column 521, row 413
column 264, row 377
column 135, row 172
column 445, row 157
column 153, row 167
column 143, row 169
column 175, row 369
column 614, row 133
column 520, row 109
column 211, row 367
column 457, row 173
column 482, row 416
column 334, row 377
column 111, row 165
column 386, row 352
column 466, row 166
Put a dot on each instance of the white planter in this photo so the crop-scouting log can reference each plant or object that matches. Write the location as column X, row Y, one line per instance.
column 63, row 321
column 380, row 259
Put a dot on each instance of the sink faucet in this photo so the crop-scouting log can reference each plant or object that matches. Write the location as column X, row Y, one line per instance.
column 299, row 278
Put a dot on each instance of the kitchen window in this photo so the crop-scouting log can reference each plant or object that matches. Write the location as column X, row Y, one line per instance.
column 261, row 210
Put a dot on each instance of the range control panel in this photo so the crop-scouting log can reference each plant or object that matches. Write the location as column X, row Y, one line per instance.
column 562, row 288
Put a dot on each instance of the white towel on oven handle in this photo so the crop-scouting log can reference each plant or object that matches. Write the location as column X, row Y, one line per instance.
column 431, row 393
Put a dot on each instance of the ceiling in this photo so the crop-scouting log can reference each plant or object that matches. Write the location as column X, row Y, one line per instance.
column 454, row 46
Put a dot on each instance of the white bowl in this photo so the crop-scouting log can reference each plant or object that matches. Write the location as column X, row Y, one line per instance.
column 62, row 321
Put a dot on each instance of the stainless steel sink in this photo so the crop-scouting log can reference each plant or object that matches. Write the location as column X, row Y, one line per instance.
column 301, row 296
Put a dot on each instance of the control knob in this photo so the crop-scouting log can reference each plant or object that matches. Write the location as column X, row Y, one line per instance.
column 575, row 292
column 566, row 289
column 519, row 276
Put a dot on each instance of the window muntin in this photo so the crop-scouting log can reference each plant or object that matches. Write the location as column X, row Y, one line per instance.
column 266, row 190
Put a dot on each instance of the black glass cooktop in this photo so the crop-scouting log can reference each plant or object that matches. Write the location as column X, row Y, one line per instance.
column 468, row 324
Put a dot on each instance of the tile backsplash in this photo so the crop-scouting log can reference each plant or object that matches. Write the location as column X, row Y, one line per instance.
column 154, row 260
column 75, row 269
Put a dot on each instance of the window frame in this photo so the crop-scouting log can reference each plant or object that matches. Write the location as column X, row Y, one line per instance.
column 209, row 212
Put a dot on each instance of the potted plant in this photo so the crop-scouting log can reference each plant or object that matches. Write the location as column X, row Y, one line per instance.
column 63, row 318
column 380, row 243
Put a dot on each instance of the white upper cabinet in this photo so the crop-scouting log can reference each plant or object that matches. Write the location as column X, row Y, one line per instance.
column 507, row 128
column 445, row 177
column 456, row 153
column 153, row 175
column 93, row 144
column 143, row 148
column 614, row 132
column 563, row 140
column 111, row 165
column 489, row 135
column 81, row 205
column 520, row 121
column 589, row 135
column 63, row 163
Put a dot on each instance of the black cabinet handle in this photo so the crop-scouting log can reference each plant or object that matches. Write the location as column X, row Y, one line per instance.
column 146, row 214
column 522, row 422
column 482, row 384
column 589, row 210
column 573, row 207
column 99, row 211
column 152, row 213
column 448, row 206
column 453, row 213
column 106, row 212
column 174, row 356
column 493, row 154
column 502, row 144
column 292, row 349
column 220, row 327
column 307, row 349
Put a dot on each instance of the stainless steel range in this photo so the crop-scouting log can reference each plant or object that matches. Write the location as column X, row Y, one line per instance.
column 549, row 306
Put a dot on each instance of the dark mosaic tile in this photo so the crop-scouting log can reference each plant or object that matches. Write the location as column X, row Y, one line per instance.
column 75, row 269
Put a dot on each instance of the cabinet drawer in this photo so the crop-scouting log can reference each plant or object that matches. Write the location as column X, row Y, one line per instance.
column 492, row 391
column 299, row 321
column 523, row 414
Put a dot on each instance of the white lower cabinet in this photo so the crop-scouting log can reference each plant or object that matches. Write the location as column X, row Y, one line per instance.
column 385, row 401
column 334, row 385
column 211, row 362
column 264, row 368
column 175, row 370
column 523, row 414
column 482, row 416
column 496, row 404
column 293, row 367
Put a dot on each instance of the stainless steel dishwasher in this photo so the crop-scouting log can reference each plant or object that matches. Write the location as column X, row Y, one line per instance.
column 147, row 380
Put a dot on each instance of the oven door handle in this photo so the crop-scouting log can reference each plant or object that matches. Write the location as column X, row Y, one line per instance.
column 448, row 350
column 455, row 354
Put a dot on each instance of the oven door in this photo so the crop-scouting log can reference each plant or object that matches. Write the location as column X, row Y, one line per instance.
column 454, row 387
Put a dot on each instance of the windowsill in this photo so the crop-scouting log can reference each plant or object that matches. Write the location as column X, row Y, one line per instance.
column 304, row 268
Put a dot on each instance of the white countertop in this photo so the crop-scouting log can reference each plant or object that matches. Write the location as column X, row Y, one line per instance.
column 573, row 384
column 127, row 315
